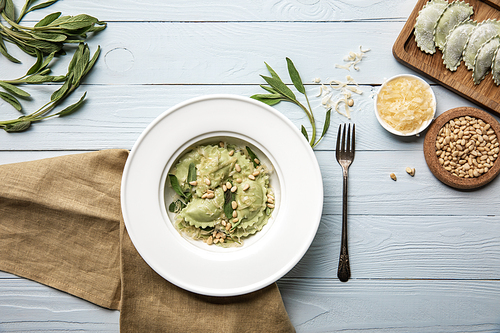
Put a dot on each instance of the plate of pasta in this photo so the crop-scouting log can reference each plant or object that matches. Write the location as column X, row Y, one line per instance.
column 213, row 195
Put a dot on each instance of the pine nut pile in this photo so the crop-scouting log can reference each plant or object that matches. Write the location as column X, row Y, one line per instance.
column 467, row 147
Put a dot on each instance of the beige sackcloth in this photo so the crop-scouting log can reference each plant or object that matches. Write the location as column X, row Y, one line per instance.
column 61, row 225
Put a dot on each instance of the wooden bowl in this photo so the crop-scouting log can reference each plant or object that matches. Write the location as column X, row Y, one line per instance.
column 430, row 149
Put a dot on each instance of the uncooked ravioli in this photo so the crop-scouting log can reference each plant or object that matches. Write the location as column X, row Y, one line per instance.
column 482, row 33
column 455, row 44
column 425, row 24
column 455, row 12
column 484, row 59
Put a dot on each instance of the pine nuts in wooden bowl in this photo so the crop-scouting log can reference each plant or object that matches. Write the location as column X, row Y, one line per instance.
column 461, row 148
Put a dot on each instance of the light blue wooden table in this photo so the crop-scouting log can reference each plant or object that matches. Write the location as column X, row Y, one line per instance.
column 424, row 257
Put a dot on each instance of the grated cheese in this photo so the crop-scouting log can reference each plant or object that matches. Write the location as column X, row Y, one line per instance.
column 353, row 59
column 405, row 104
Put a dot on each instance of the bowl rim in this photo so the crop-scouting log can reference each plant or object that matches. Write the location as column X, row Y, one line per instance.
column 430, row 149
column 389, row 128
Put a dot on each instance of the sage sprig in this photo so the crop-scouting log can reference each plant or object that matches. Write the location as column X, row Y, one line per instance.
column 49, row 35
column 278, row 91
column 78, row 68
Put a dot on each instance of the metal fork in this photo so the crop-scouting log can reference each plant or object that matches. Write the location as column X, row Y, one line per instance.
column 345, row 156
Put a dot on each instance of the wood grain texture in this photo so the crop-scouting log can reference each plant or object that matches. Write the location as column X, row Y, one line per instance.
column 405, row 50
column 232, row 10
column 424, row 256
column 395, row 305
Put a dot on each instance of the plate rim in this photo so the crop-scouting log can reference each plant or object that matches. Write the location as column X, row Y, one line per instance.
column 315, row 218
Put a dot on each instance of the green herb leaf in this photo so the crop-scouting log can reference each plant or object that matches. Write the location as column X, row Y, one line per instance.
column 252, row 156
column 279, row 86
column 10, row 10
column 38, row 64
column 294, row 75
column 81, row 21
column 48, row 19
column 48, row 59
column 269, row 89
column 13, row 89
column 175, row 185
column 42, row 5
column 92, row 61
column 269, row 99
column 61, row 92
column 272, row 72
column 5, row 53
column 228, row 207
column 191, row 177
column 50, row 36
column 326, row 125
column 2, row 5
column 11, row 100
column 17, row 127
column 304, row 132
column 72, row 108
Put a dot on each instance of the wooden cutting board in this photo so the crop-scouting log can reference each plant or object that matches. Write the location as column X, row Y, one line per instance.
column 405, row 50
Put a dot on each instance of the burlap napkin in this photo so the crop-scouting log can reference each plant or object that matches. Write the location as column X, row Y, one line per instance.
column 61, row 225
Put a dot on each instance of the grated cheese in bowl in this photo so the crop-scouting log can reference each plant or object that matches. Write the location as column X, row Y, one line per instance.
column 405, row 105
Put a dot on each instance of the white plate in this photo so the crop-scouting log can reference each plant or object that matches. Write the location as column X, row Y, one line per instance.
column 264, row 257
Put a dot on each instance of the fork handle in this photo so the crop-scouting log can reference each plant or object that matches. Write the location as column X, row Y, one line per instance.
column 344, row 270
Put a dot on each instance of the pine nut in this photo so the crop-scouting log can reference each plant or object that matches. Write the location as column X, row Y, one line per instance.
column 234, row 188
column 234, row 204
column 252, row 177
column 237, row 167
column 207, row 181
column 246, row 187
column 193, row 183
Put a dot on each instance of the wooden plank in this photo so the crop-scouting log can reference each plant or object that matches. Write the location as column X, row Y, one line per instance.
column 228, row 52
column 405, row 50
column 406, row 247
column 26, row 306
column 392, row 305
column 314, row 305
column 114, row 116
column 228, row 10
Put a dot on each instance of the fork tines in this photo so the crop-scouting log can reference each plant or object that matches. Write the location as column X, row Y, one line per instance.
column 343, row 145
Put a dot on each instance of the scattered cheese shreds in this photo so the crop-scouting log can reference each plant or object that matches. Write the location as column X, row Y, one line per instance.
column 353, row 59
column 326, row 93
column 405, row 104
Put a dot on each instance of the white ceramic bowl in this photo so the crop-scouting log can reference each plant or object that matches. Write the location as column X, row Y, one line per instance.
column 391, row 129
column 264, row 257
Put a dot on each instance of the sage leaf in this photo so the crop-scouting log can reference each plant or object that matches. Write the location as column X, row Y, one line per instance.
column 49, row 36
column 99, row 26
column 269, row 99
column 269, row 89
column 38, row 64
column 5, row 53
column 295, row 77
column 2, row 5
column 76, row 56
column 13, row 89
column 279, row 86
column 228, row 207
column 10, row 10
column 191, row 177
column 304, row 132
column 61, row 92
column 326, row 125
column 80, row 65
column 72, row 108
column 175, row 185
column 92, row 61
column 17, row 127
column 78, row 22
column 48, row 19
column 11, row 100
column 47, row 60
column 252, row 156
column 272, row 72
column 42, row 5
